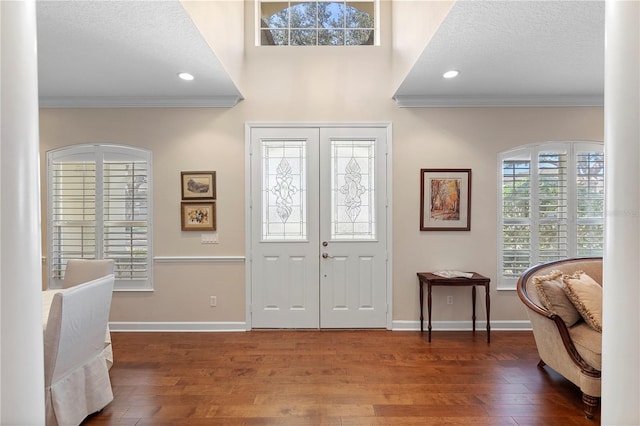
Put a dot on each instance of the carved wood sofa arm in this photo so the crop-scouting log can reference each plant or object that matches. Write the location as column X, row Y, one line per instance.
column 591, row 266
column 559, row 323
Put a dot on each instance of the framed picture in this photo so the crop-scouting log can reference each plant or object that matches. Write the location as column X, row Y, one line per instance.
column 198, row 216
column 198, row 185
column 445, row 199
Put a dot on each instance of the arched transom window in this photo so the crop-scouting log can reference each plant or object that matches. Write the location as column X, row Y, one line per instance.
column 316, row 23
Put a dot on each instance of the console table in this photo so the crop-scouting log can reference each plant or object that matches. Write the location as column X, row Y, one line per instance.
column 432, row 280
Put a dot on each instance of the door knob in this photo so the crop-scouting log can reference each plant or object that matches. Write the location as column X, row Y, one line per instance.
column 326, row 256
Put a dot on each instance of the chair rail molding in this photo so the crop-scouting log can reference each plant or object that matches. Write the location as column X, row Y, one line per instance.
column 197, row 259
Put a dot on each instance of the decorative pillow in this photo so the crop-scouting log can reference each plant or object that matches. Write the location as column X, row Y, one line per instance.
column 586, row 295
column 553, row 297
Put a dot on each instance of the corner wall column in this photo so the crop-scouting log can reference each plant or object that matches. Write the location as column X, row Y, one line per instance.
column 621, row 300
column 21, row 345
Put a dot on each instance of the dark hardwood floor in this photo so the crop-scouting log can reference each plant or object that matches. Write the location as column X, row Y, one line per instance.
column 368, row 377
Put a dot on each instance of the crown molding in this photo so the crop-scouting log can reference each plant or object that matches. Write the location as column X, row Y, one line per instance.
column 139, row 102
column 426, row 101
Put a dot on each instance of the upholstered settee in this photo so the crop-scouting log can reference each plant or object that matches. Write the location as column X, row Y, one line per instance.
column 567, row 333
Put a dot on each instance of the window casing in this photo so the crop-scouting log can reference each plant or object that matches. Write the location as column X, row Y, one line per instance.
column 551, row 205
column 316, row 22
column 99, row 206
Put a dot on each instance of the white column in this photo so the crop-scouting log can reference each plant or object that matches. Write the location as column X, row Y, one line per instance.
column 21, row 346
column 621, row 302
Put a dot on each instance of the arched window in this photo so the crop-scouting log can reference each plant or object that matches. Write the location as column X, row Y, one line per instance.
column 99, row 206
column 317, row 23
column 550, row 205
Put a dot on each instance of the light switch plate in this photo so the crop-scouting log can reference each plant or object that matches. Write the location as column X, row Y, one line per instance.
column 209, row 238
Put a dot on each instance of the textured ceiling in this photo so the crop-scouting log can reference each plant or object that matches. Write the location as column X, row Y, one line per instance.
column 512, row 53
column 126, row 53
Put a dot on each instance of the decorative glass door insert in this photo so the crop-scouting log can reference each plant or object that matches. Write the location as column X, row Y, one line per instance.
column 353, row 190
column 284, row 207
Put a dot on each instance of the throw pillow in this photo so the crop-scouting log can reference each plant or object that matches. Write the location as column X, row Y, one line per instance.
column 586, row 295
column 554, row 298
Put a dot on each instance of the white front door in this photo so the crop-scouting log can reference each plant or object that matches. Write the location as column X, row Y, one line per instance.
column 318, row 227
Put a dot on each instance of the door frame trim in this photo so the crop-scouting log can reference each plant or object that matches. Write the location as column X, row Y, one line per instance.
column 248, row 205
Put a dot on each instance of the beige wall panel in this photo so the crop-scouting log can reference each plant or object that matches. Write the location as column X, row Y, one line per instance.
column 182, row 294
column 181, row 139
column 194, row 139
column 413, row 24
column 464, row 138
column 221, row 25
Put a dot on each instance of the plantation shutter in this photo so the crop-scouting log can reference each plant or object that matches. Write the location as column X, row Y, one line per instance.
column 551, row 205
column 99, row 204
column 516, row 214
column 590, row 206
column 125, row 225
column 72, row 229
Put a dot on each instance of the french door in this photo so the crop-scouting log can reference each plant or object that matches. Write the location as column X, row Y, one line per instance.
column 318, row 229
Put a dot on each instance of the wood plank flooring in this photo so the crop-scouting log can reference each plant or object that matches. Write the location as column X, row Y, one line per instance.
column 354, row 377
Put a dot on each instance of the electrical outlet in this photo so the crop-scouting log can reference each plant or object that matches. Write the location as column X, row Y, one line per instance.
column 449, row 300
column 213, row 301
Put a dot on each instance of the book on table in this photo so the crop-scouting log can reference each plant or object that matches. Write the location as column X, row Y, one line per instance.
column 453, row 274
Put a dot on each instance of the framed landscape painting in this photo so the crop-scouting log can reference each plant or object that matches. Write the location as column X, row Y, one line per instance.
column 445, row 199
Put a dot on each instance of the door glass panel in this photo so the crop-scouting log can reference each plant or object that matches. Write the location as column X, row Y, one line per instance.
column 284, row 190
column 353, row 190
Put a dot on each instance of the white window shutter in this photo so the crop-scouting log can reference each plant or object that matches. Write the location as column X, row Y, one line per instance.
column 590, row 205
column 516, row 215
column 72, row 192
column 125, row 224
column 99, row 207
column 551, row 205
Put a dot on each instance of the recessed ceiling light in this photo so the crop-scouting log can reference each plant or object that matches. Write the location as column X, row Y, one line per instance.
column 451, row 74
column 185, row 76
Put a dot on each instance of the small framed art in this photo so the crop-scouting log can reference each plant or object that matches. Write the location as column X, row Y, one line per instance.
column 198, row 216
column 445, row 199
column 198, row 185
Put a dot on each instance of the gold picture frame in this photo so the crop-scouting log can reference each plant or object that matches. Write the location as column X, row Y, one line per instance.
column 198, row 185
column 445, row 199
column 198, row 216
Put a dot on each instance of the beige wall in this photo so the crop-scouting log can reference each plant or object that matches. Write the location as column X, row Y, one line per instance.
column 413, row 24
column 321, row 84
column 221, row 24
column 464, row 138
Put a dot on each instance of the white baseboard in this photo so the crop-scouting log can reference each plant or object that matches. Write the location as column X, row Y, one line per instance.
column 178, row 326
column 242, row 326
column 462, row 325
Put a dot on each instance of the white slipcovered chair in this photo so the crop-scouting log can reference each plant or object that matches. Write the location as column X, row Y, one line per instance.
column 80, row 271
column 76, row 376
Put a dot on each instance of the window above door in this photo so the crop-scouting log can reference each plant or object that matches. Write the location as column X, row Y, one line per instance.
column 316, row 23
